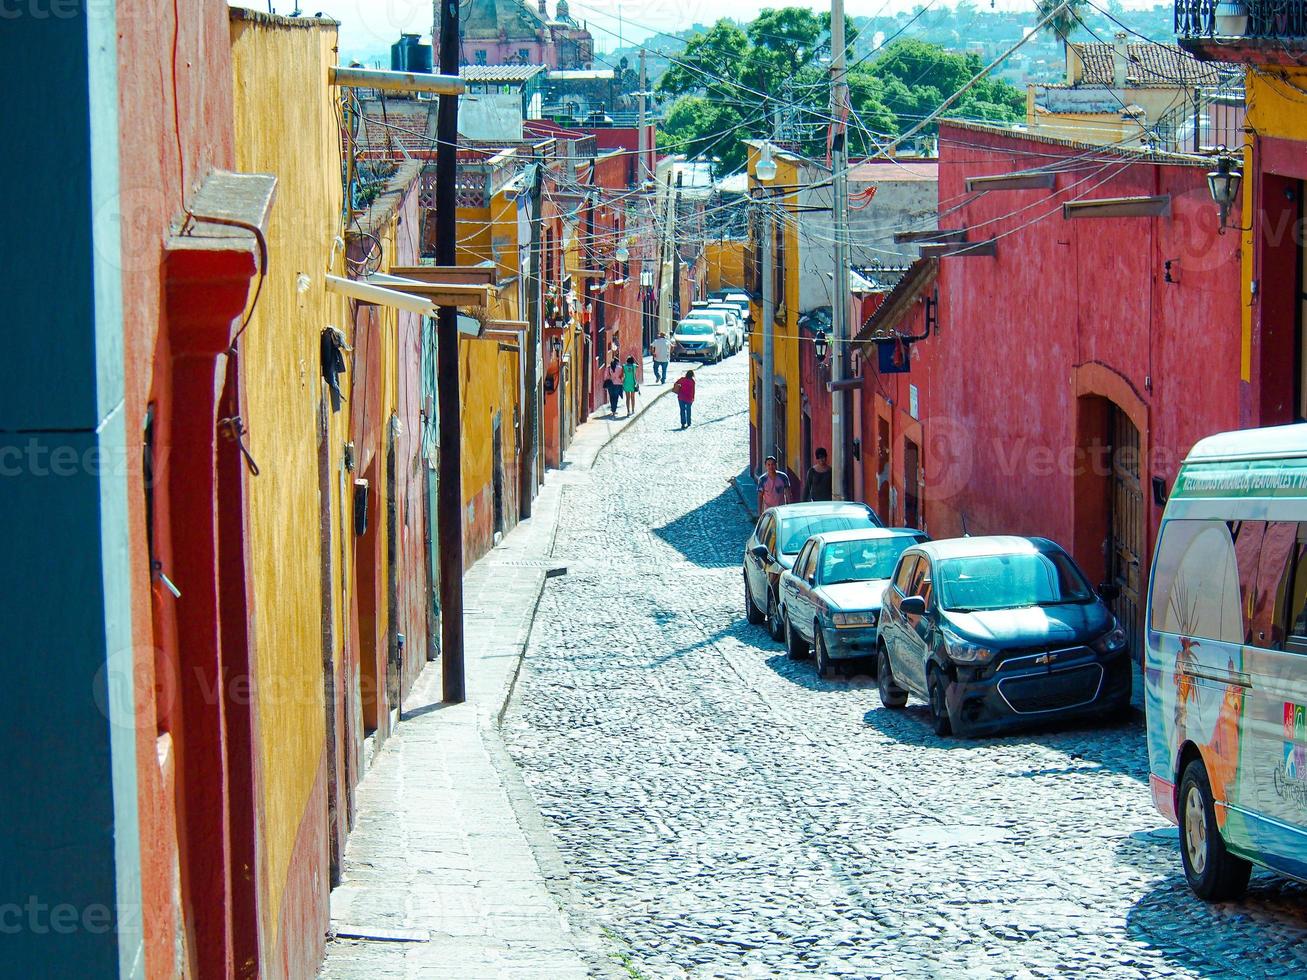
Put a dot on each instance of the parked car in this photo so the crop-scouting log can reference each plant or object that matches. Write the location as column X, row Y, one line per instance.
column 775, row 543
column 696, row 340
column 1225, row 671
column 735, row 322
column 830, row 600
column 995, row 632
column 721, row 322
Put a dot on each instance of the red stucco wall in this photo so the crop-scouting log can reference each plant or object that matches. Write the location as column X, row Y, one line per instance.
column 1066, row 308
column 155, row 149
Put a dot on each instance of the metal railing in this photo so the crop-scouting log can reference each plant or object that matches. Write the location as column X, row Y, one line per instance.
column 1265, row 18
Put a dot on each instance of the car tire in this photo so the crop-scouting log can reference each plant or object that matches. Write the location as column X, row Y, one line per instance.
column 1214, row 874
column 795, row 645
column 937, row 695
column 775, row 626
column 825, row 666
column 751, row 611
column 891, row 695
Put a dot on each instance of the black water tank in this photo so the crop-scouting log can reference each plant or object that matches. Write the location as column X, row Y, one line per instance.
column 409, row 54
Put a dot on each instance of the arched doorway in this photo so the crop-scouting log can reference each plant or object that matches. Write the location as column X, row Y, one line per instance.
column 1110, row 519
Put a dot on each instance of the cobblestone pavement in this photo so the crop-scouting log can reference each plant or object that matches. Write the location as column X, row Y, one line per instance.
column 725, row 813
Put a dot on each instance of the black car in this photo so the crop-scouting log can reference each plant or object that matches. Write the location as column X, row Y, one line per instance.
column 996, row 632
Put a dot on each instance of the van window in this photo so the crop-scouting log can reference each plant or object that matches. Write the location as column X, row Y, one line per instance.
column 1230, row 581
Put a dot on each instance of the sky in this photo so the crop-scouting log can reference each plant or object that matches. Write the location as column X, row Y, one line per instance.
column 373, row 25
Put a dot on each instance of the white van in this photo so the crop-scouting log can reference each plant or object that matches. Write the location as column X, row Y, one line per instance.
column 1225, row 661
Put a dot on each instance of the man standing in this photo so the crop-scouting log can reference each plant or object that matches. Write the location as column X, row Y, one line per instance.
column 661, row 352
column 817, row 484
column 773, row 487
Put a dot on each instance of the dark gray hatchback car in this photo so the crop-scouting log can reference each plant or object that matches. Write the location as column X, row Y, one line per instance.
column 996, row 632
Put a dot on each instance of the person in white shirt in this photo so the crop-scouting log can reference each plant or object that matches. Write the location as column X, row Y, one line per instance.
column 661, row 352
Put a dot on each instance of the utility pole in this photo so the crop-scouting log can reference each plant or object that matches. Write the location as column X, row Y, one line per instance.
column 449, row 503
column 840, row 400
column 665, row 261
column 532, row 354
column 767, row 397
column 641, row 168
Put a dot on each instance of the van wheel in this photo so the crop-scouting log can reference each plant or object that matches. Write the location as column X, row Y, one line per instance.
column 891, row 695
column 935, row 690
column 751, row 611
column 1214, row 874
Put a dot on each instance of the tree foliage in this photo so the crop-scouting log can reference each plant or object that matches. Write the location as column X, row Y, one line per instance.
column 733, row 81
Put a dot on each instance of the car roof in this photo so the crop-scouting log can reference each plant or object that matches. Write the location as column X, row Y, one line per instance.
column 812, row 507
column 868, row 534
column 695, row 319
column 985, row 546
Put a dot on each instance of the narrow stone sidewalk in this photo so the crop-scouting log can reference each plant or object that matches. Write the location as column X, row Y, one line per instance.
column 449, row 871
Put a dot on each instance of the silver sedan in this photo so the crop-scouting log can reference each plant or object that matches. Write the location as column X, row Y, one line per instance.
column 830, row 599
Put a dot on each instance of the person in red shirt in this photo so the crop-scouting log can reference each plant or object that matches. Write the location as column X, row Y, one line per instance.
column 684, row 388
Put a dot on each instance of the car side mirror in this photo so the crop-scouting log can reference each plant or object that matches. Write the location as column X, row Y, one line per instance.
column 913, row 605
column 759, row 551
column 1110, row 591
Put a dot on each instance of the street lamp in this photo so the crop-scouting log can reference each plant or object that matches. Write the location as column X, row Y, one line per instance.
column 1223, row 185
column 622, row 254
column 819, row 345
column 556, row 345
column 765, row 170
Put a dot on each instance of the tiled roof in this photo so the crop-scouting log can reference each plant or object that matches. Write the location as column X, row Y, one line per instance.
column 499, row 73
column 1148, row 65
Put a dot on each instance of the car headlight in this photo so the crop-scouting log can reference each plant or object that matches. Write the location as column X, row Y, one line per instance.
column 847, row 620
column 1113, row 641
column 964, row 651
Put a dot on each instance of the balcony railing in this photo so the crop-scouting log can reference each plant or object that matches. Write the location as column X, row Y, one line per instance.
column 1274, row 19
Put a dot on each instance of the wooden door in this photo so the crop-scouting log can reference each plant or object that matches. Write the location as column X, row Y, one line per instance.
column 911, row 484
column 1125, row 542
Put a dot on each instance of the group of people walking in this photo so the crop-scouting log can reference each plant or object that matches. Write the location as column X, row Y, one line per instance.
column 622, row 379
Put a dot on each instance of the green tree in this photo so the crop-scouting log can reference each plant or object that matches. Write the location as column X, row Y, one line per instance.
column 700, row 126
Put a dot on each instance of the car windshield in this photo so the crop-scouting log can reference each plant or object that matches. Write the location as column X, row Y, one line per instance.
column 695, row 329
column 861, row 561
column 1008, row 581
column 713, row 315
column 798, row 529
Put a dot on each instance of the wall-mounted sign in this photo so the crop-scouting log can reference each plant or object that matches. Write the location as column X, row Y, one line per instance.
column 912, row 400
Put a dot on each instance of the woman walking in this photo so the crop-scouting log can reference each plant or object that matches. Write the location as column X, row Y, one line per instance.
column 629, row 385
column 684, row 388
column 613, row 384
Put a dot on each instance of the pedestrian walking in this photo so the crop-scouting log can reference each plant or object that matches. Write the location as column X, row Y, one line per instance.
column 817, row 484
column 661, row 352
column 629, row 385
column 773, row 486
column 613, row 385
column 684, row 388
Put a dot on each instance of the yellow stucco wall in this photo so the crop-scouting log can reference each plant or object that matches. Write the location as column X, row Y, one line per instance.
column 285, row 125
column 489, row 375
column 785, row 345
column 1275, row 109
column 725, row 262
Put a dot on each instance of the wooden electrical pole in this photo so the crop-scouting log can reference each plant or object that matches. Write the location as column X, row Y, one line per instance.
column 449, row 504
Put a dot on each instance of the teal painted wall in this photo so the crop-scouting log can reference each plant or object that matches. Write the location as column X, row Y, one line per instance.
column 69, row 853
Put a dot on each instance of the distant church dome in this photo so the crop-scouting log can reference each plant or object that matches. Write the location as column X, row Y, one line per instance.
column 561, row 10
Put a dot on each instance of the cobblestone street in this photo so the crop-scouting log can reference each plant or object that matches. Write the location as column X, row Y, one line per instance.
column 725, row 813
